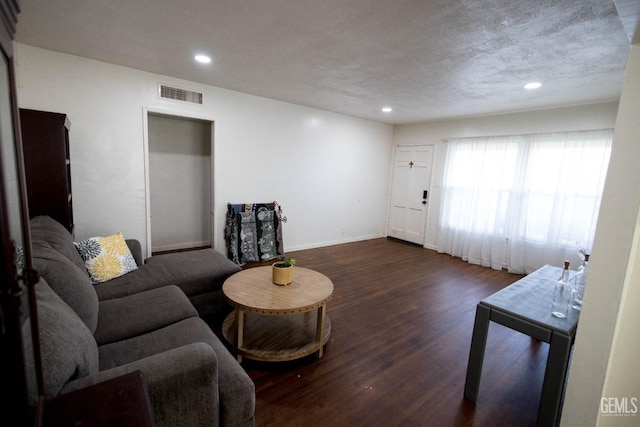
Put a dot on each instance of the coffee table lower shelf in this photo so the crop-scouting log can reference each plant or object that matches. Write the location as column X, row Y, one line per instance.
column 277, row 338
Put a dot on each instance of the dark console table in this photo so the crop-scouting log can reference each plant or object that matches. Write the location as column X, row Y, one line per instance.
column 122, row 401
column 525, row 306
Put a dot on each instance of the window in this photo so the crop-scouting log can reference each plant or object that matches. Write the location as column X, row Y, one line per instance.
column 519, row 202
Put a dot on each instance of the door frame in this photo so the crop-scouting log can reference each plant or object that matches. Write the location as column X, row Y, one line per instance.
column 214, row 181
column 391, row 186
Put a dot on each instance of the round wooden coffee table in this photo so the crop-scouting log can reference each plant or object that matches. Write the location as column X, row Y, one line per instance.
column 277, row 323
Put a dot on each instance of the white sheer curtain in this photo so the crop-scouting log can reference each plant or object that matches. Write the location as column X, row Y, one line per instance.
column 519, row 202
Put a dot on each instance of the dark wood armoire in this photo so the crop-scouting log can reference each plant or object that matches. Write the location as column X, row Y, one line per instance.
column 45, row 141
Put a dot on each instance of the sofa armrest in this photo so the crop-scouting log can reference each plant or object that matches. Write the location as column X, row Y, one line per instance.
column 136, row 250
column 182, row 384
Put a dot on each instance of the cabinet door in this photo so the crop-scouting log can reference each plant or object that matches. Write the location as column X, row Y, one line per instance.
column 17, row 320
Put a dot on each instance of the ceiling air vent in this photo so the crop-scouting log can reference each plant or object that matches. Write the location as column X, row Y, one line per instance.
column 168, row 92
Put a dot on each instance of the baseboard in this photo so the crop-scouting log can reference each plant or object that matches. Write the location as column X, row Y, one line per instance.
column 334, row 242
column 178, row 246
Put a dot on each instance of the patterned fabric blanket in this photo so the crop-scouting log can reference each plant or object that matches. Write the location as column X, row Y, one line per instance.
column 253, row 232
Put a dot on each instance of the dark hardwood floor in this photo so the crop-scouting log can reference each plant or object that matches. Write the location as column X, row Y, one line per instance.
column 402, row 318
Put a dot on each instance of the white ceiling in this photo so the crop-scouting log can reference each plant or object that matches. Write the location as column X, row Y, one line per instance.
column 430, row 59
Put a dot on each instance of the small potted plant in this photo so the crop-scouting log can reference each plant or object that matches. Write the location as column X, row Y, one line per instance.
column 282, row 271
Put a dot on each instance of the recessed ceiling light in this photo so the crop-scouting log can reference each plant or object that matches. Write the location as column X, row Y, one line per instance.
column 533, row 85
column 387, row 109
column 203, row 59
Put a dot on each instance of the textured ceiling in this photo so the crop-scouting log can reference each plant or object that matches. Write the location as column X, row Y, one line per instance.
column 430, row 59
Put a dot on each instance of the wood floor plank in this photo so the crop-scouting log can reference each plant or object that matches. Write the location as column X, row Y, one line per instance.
column 402, row 318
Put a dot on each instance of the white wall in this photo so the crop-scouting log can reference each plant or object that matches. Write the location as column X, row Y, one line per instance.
column 595, row 116
column 329, row 172
column 606, row 352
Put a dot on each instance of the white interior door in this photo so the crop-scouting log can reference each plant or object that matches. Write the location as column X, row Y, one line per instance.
column 411, row 183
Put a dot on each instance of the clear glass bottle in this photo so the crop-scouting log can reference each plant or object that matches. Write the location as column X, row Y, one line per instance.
column 562, row 295
column 580, row 280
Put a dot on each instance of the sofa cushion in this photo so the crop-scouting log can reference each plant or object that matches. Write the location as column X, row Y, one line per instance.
column 68, row 348
column 136, row 250
column 144, row 278
column 106, row 257
column 51, row 231
column 196, row 272
column 70, row 282
column 137, row 314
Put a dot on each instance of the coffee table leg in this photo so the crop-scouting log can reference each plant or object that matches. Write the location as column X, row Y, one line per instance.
column 320, row 328
column 239, row 335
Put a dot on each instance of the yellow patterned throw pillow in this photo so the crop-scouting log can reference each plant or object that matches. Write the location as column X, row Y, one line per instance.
column 106, row 257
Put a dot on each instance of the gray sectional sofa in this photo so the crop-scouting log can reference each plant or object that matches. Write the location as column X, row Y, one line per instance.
column 147, row 320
